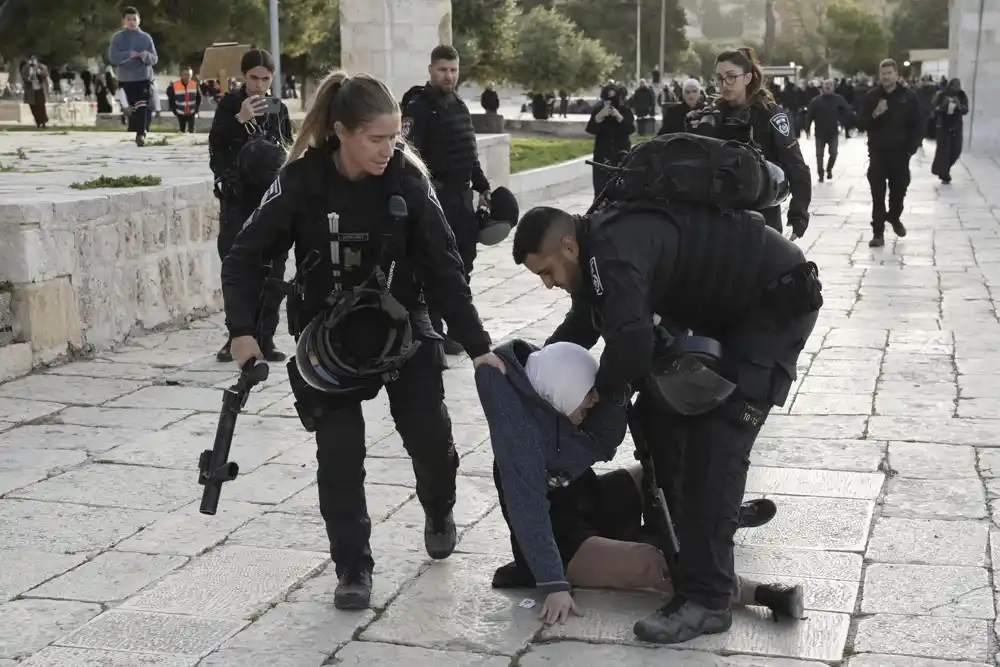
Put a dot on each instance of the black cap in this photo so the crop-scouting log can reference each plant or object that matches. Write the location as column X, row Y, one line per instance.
column 256, row 58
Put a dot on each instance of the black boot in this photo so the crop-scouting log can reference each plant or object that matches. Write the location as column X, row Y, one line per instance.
column 440, row 536
column 783, row 601
column 819, row 171
column 898, row 228
column 756, row 513
column 682, row 620
column 877, row 241
column 829, row 174
column 225, row 354
column 272, row 353
column 354, row 589
column 513, row 575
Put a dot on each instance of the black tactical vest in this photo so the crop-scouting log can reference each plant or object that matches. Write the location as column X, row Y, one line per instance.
column 455, row 152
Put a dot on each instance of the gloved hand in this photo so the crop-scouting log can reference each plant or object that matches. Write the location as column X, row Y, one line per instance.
column 798, row 226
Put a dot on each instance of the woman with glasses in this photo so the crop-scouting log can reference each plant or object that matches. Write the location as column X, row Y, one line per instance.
column 746, row 111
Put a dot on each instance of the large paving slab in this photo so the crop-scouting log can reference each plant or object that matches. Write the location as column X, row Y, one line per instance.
column 883, row 463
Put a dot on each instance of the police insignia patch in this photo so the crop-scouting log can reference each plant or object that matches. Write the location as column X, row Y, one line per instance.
column 272, row 193
column 407, row 126
column 781, row 124
column 595, row 277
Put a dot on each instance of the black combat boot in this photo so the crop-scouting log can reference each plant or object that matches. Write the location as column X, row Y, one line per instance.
column 898, row 228
column 783, row 601
column 681, row 620
column 272, row 353
column 877, row 241
column 354, row 589
column 756, row 513
column 440, row 536
column 829, row 174
column 513, row 575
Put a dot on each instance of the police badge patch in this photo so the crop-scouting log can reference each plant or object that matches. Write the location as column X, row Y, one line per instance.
column 781, row 124
column 407, row 126
column 272, row 193
column 595, row 277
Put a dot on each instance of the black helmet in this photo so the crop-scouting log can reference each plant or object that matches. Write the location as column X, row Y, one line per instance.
column 259, row 161
column 359, row 343
column 779, row 189
column 496, row 221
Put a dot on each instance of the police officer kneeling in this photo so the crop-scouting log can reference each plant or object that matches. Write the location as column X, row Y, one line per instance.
column 720, row 274
column 368, row 234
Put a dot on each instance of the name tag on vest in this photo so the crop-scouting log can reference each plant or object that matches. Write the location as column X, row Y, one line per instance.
column 353, row 237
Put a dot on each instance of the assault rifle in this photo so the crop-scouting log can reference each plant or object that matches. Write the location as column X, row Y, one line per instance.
column 214, row 466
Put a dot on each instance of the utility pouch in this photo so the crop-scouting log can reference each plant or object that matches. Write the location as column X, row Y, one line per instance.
column 795, row 293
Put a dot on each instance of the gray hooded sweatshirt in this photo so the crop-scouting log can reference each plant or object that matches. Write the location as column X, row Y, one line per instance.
column 536, row 447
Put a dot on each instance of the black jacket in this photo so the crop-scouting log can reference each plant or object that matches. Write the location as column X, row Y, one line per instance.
column 674, row 117
column 611, row 137
column 694, row 267
column 950, row 121
column 295, row 212
column 228, row 135
column 828, row 112
column 900, row 128
column 770, row 129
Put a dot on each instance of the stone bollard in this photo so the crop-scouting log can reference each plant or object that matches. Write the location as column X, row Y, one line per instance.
column 487, row 123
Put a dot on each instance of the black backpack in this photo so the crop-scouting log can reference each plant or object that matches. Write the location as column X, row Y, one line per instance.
column 693, row 168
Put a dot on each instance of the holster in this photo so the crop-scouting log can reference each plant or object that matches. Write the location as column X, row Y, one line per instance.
column 795, row 293
column 307, row 404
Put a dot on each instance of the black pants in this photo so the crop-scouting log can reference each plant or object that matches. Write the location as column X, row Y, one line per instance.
column 231, row 219
column 702, row 461
column 947, row 152
column 137, row 93
column 603, row 176
column 607, row 505
column 416, row 402
column 459, row 208
column 772, row 216
column 186, row 123
column 824, row 142
column 890, row 167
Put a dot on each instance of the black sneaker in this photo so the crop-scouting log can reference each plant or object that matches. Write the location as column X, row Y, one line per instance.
column 512, row 575
column 452, row 348
column 225, row 354
column 440, row 536
column 898, row 228
column 140, row 140
column 829, row 175
column 876, row 242
column 682, row 620
column 354, row 590
column 756, row 513
column 272, row 353
column 946, row 180
column 820, row 176
column 783, row 601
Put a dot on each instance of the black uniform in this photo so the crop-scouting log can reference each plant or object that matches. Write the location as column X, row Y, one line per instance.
column 675, row 115
column 828, row 112
column 296, row 211
column 237, row 202
column 770, row 129
column 950, row 105
column 893, row 138
column 439, row 126
column 724, row 285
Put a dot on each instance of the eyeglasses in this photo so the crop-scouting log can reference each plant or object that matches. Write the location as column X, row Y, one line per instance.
column 728, row 79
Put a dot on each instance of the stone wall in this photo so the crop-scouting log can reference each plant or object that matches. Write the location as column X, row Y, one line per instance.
column 393, row 39
column 975, row 59
column 89, row 270
column 65, row 113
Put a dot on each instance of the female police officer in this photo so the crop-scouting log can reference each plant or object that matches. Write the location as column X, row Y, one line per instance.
column 344, row 167
column 746, row 111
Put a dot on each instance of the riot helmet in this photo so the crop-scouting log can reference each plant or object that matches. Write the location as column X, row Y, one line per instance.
column 496, row 221
column 359, row 343
column 258, row 163
column 778, row 189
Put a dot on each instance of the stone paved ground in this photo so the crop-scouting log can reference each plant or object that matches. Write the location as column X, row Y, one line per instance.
column 883, row 467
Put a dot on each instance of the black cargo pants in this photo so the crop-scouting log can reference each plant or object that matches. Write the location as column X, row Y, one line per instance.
column 416, row 403
column 459, row 206
column 702, row 461
column 826, row 143
column 890, row 167
column 231, row 221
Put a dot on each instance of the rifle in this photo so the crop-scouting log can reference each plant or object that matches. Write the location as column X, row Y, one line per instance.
column 655, row 512
column 214, row 466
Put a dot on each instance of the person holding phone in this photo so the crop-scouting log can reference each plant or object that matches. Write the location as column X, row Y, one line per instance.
column 244, row 115
column 611, row 123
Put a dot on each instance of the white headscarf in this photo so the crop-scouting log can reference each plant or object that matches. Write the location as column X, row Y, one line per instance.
column 563, row 374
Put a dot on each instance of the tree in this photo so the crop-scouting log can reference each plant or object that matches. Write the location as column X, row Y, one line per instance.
column 57, row 31
column 854, row 36
column 718, row 25
column 551, row 53
column 483, row 33
column 918, row 24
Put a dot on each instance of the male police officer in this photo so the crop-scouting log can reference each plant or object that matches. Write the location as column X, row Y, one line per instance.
column 438, row 124
column 242, row 116
column 722, row 275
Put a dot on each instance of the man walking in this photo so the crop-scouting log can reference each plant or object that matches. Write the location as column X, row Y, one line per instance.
column 133, row 54
column 828, row 111
column 890, row 114
column 184, row 99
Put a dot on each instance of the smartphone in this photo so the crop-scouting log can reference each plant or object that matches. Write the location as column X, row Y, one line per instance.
column 607, row 103
column 272, row 105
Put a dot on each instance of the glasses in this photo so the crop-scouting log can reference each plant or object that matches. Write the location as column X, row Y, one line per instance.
column 728, row 79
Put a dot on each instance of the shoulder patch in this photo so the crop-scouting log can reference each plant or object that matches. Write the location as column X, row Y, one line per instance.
column 272, row 193
column 595, row 277
column 779, row 121
column 407, row 126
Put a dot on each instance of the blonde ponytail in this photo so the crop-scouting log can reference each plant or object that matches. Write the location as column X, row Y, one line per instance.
column 316, row 126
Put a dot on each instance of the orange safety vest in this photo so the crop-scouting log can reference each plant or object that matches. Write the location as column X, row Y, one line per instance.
column 185, row 97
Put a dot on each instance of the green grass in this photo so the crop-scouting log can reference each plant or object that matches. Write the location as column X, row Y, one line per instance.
column 117, row 182
column 531, row 153
column 63, row 129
